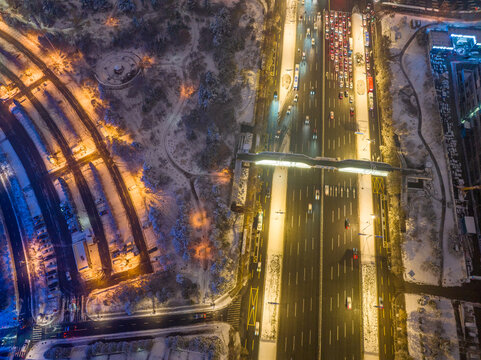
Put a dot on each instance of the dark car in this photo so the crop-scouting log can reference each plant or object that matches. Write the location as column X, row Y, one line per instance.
column 340, row 95
column 351, row 111
column 346, row 223
column 355, row 254
column 275, row 95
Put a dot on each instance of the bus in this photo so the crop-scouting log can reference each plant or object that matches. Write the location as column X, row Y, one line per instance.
column 296, row 77
column 370, row 84
column 260, row 218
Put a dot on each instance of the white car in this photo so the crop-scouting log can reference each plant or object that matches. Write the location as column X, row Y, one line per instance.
column 303, row 55
column 349, row 303
column 259, row 264
column 326, row 190
column 308, row 32
column 318, row 194
column 296, row 98
column 256, row 331
column 309, row 208
column 306, row 122
column 289, row 109
column 331, row 115
column 313, row 42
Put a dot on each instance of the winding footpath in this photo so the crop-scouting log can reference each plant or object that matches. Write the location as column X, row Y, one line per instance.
column 426, row 145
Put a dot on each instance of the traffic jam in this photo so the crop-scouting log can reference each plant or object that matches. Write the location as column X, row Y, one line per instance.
column 338, row 36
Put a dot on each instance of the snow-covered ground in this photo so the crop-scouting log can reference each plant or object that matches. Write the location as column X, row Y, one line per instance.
column 193, row 343
column 431, row 328
column 9, row 312
column 425, row 248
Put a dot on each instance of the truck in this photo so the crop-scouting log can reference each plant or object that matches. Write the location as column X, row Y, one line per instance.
column 296, row 77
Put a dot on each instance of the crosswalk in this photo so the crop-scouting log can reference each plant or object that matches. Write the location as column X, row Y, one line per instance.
column 233, row 314
column 37, row 333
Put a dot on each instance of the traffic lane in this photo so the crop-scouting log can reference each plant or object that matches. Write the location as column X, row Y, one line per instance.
column 298, row 324
column 12, row 227
column 94, row 328
column 338, row 245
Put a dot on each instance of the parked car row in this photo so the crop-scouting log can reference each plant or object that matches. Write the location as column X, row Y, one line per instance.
column 46, row 249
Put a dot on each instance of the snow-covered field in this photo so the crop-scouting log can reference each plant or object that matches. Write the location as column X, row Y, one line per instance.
column 431, row 328
column 194, row 343
column 8, row 309
column 426, row 255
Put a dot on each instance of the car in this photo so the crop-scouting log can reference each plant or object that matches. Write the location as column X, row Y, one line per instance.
column 341, row 83
column 300, row 17
column 351, row 99
column 326, row 190
column 346, row 93
column 289, row 109
column 347, row 223
column 296, row 98
column 368, row 67
column 303, row 55
column 67, row 274
column 327, row 35
column 275, row 95
column 314, row 134
column 308, row 32
column 309, row 208
column 332, row 56
column 313, row 42
column 278, row 134
column 337, row 67
column 351, row 111
column 306, row 122
column 349, row 303
column 340, row 95
column 313, row 91
column 355, row 253
column 256, row 331
column 200, row 316
column 331, row 115
column 336, row 45
column 259, row 265
column 381, row 303
column 318, row 194
column 303, row 2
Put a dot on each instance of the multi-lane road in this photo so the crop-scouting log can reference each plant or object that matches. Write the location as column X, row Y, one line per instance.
column 320, row 271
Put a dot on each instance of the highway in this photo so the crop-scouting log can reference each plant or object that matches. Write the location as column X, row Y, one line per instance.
column 320, row 271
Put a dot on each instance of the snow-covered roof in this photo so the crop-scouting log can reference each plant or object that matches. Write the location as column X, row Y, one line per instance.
column 80, row 255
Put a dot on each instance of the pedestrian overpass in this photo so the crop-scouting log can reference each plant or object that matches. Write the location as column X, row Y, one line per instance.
column 302, row 161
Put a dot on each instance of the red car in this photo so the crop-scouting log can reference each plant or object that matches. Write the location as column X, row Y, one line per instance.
column 355, row 254
column 346, row 223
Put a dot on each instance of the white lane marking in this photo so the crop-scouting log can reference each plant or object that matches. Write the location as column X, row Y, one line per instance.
column 338, row 269
column 297, row 249
column 332, row 217
column 295, row 309
column 299, row 221
column 338, row 300
column 309, row 337
column 338, row 213
column 330, row 337
column 332, row 272
column 337, row 332
column 332, row 244
column 302, row 338
column 344, row 210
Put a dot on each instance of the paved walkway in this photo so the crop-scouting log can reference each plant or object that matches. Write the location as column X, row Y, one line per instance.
column 367, row 241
